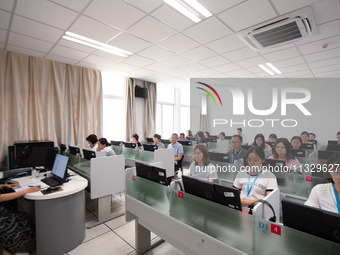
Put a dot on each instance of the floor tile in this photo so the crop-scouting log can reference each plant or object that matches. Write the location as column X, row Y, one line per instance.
column 164, row 248
column 107, row 244
column 95, row 231
column 117, row 222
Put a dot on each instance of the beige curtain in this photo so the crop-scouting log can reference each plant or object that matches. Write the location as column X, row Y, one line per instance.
column 150, row 109
column 130, row 108
column 43, row 99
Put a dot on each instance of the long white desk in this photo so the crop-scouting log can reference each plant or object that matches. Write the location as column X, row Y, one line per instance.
column 59, row 218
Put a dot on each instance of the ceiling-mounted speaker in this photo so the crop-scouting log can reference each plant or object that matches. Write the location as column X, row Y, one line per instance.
column 141, row 92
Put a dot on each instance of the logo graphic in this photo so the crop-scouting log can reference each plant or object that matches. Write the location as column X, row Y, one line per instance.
column 209, row 93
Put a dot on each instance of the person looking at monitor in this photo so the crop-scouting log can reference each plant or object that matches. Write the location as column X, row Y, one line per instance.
column 104, row 145
column 182, row 137
column 157, row 140
column 14, row 229
column 134, row 139
column 92, row 142
column 326, row 196
column 222, row 136
column 252, row 181
column 283, row 151
column 206, row 135
column 272, row 138
column 188, row 134
column 311, row 136
column 239, row 131
column 237, row 154
column 259, row 141
column 304, row 137
column 296, row 142
column 201, row 163
column 178, row 149
column 200, row 137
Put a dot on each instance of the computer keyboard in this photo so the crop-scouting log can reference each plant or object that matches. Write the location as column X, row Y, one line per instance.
column 50, row 181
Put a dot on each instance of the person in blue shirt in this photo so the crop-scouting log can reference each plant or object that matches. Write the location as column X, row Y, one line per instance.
column 178, row 149
column 92, row 141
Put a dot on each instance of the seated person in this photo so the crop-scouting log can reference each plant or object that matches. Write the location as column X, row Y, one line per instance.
column 178, row 149
column 206, row 135
column 272, row 138
column 296, row 142
column 103, row 145
column 222, row 136
column 326, row 196
column 14, row 229
column 92, row 141
column 283, row 151
column 182, row 137
column 157, row 140
column 200, row 137
column 259, row 141
column 237, row 154
column 239, row 132
column 134, row 139
column 253, row 183
column 201, row 163
column 311, row 136
column 304, row 137
column 188, row 134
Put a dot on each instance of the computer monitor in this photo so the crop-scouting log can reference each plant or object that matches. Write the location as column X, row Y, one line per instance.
column 315, row 142
column 219, row 157
column 246, row 147
column 299, row 153
column 271, row 144
column 307, row 146
column 214, row 136
column 60, row 166
column 221, row 194
column 228, row 137
column 73, row 150
column 191, row 138
column 333, row 142
column 276, row 162
column 88, row 154
column 333, row 147
column 211, row 140
column 149, row 140
column 116, row 143
column 150, row 147
column 165, row 141
column 63, row 147
column 152, row 173
column 311, row 220
column 187, row 143
column 50, row 158
column 129, row 145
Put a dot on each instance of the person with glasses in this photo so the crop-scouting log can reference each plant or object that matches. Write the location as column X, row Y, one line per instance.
column 237, row 154
column 259, row 141
column 254, row 181
column 326, row 196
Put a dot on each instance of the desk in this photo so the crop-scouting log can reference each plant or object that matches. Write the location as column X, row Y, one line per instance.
column 59, row 217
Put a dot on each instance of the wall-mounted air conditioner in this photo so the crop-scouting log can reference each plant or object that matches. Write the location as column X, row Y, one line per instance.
column 284, row 29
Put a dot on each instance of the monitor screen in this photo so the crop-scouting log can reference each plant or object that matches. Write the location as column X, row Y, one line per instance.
column 333, row 142
column 315, row 142
column 333, row 147
column 50, row 157
column 246, row 147
column 219, row 157
column 165, row 141
column 130, row 145
column 74, row 150
column 152, row 173
column 325, row 154
column 271, row 144
column 188, row 143
column 149, row 140
column 211, row 140
column 276, row 162
column 311, row 220
column 116, row 143
column 150, row 147
column 299, row 153
column 307, row 146
column 60, row 166
column 88, row 154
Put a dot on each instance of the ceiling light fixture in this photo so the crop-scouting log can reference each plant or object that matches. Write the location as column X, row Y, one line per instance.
column 270, row 69
column 95, row 44
column 192, row 9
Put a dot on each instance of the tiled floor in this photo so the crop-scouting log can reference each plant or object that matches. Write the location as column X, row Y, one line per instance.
column 115, row 237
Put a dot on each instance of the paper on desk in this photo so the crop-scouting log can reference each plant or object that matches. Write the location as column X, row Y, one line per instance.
column 26, row 186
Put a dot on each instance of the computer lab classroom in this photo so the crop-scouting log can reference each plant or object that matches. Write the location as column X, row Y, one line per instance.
column 169, row 127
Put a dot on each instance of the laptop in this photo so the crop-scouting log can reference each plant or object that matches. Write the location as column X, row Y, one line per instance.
column 58, row 171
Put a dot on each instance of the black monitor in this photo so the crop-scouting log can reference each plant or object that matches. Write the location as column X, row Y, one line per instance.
column 276, row 162
column 246, row 147
column 211, row 140
column 165, row 141
column 311, row 220
column 214, row 136
column 187, row 143
column 73, row 150
column 50, row 157
column 228, row 137
column 219, row 157
column 129, row 145
column 224, row 195
column 333, row 142
column 315, row 142
column 116, row 143
column 63, row 147
column 333, row 147
column 150, row 147
column 299, row 153
column 152, row 173
column 271, row 144
column 88, row 154
column 307, row 146
column 149, row 140
column 191, row 138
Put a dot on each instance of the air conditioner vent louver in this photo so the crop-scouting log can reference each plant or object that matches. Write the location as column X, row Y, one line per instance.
column 290, row 28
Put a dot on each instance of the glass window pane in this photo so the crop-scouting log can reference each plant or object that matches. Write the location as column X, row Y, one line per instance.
column 185, row 96
column 113, row 84
column 165, row 94
column 168, row 120
column 159, row 119
column 185, row 118
column 113, row 119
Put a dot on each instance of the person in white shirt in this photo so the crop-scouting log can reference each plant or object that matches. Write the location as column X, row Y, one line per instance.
column 103, row 145
column 201, row 165
column 283, row 151
column 304, row 137
column 92, row 142
column 259, row 141
column 244, row 138
column 326, row 196
column 157, row 140
column 222, row 136
column 296, row 142
column 254, row 182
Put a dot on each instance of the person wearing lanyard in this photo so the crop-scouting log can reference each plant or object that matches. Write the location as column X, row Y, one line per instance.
column 326, row 196
column 237, row 153
column 254, row 182
column 283, row 151
column 92, row 141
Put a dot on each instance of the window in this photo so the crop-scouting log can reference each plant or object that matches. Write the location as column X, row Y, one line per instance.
column 113, row 106
column 165, row 111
